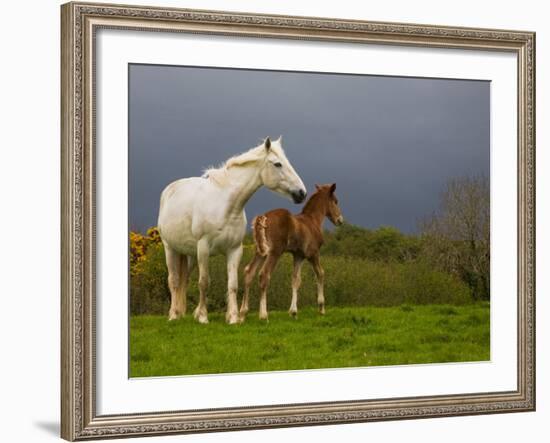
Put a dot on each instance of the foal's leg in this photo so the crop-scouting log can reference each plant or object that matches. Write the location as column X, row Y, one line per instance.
column 201, row 312
column 265, row 277
column 233, row 260
column 176, row 283
column 296, row 282
column 320, row 277
column 249, row 274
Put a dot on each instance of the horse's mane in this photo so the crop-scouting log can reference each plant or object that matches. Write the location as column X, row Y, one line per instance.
column 219, row 174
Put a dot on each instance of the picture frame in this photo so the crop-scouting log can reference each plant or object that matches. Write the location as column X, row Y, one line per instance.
column 80, row 23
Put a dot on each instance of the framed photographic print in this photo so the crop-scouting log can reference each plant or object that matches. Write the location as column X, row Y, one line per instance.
column 283, row 221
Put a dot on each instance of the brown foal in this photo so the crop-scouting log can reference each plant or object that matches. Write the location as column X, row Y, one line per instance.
column 278, row 231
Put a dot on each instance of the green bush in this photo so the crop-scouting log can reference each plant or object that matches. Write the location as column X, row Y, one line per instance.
column 149, row 283
column 349, row 281
column 385, row 243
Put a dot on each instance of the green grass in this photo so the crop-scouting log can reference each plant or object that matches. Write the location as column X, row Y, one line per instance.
column 344, row 337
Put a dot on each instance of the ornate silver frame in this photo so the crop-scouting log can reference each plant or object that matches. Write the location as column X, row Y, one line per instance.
column 79, row 22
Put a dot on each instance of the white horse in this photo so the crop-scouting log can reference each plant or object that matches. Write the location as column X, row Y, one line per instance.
column 203, row 216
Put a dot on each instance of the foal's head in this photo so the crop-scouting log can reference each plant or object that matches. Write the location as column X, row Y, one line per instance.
column 332, row 211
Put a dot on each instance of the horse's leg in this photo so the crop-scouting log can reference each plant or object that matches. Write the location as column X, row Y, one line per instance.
column 190, row 266
column 201, row 312
column 249, row 273
column 320, row 277
column 175, row 283
column 265, row 277
column 184, row 282
column 296, row 282
column 233, row 260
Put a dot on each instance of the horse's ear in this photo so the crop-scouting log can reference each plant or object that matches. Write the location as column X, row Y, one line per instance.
column 317, row 187
column 332, row 188
column 280, row 140
column 267, row 143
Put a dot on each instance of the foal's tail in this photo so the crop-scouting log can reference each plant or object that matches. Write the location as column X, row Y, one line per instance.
column 259, row 227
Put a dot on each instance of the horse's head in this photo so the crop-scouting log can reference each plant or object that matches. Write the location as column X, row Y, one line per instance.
column 333, row 211
column 278, row 175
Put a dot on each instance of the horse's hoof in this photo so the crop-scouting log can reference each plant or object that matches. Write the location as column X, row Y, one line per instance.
column 174, row 316
column 232, row 319
column 202, row 319
column 293, row 314
column 242, row 316
column 263, row 317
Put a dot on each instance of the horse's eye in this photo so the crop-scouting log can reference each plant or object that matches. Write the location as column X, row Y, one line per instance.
column 278, row 165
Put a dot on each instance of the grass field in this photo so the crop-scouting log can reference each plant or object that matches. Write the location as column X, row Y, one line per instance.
column 344, row 337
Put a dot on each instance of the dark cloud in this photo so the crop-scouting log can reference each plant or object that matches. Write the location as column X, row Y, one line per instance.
column 390, row 143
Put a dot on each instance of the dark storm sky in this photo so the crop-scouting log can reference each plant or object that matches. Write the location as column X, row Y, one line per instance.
column 390, row 143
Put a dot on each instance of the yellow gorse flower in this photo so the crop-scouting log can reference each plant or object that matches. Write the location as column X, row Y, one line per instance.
column 138, row 247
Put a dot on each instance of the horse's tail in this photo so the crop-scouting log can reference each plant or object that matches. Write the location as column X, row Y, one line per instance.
column 259, row 227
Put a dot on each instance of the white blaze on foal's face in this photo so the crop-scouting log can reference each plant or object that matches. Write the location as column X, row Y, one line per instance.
column 278, row 174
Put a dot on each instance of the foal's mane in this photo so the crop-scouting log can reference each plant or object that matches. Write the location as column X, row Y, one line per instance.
column 219, row 174
column 313, row 202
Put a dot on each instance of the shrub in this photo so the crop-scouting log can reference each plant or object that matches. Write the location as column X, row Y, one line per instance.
column 148, row 282
column 139, row 244
column 385, row 243
column 349, row 281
